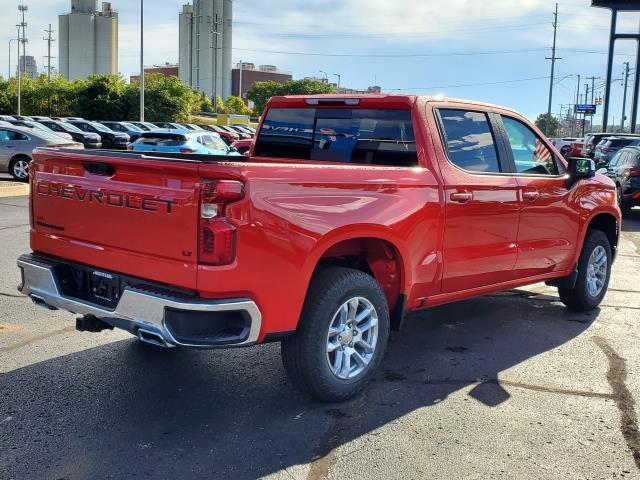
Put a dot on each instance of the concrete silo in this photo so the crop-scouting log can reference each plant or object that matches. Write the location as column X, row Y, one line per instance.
column 205, row 46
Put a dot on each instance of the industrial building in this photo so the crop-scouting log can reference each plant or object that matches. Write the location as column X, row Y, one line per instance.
column 248, row 74
column 28, row 66
column 168, row 70
column 206, row 46
column 88, row 40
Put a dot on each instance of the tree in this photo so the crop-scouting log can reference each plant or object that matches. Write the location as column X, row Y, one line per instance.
column 261, row 92
column 551, row 127
column 236, row 106
column 101, row 97
column 167, row 99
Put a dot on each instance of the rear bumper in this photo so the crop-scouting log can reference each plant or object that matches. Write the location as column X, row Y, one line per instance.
column 171, row 320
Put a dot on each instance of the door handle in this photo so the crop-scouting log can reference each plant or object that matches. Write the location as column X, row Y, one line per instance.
column 461, row 197
column 530, row 195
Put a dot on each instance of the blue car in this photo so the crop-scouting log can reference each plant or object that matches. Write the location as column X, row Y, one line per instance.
column 179, row 141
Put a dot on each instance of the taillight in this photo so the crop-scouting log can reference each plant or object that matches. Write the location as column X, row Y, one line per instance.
column 633, row 172
column 217, row 241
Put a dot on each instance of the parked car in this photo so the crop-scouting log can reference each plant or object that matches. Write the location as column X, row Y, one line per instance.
column 74, row 119
column 243, row 129
column 608, row 147
column 88, row 139
column 7, row 118
column 175, row 141
column 191, row 127
column 563, row 145
column 38, row 118
column 23, row 118
column 576, row 149
column 240, row 133
column 171, row 126
column 592, row 139
column 130, row 129
column 146, row 126
column 227, row 136
column 624, row 170
column 242, row 146
column 41, row 127
column 16, row 148
column 110, row 139
column 327, row 237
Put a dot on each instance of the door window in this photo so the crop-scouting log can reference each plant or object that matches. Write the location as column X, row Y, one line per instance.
column 9, row 136
column 469, row 140
column 530, row 154
column 616, row 159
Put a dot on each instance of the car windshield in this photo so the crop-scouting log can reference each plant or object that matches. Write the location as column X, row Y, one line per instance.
column 100, row 127
column 68, row 127
column 132, row 127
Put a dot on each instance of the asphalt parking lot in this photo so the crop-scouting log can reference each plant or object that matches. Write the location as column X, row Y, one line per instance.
column 511, row 385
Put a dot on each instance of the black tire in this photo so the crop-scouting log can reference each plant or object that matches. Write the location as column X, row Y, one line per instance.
column 15, row 168
column 625, row 208
column 304, row 355
column 578, row 298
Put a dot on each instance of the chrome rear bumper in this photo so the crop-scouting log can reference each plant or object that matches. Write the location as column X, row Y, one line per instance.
column 143, row 313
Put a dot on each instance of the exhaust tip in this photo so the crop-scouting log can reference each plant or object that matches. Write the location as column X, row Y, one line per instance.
column 151, row 337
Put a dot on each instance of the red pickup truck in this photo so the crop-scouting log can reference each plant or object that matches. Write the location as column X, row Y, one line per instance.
column 349, row 212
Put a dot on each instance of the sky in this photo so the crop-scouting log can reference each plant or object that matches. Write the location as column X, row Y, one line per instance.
column 488, row 50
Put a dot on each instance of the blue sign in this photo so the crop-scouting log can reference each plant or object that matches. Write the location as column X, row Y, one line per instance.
column 586, row 109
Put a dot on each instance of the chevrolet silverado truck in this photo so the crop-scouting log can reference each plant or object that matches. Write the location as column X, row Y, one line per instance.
column 348, row 213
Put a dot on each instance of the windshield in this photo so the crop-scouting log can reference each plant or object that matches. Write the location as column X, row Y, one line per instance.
column 132, row 127
column 100, row 127
column 68, row 127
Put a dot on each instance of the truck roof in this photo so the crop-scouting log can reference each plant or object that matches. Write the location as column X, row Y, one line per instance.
column 378, row 100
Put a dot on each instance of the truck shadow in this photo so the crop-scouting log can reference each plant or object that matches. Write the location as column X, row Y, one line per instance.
column 632, row 224
column 123, row 410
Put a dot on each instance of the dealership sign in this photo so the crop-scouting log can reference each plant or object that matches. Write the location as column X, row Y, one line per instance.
column 587, row 109
column 629, row 5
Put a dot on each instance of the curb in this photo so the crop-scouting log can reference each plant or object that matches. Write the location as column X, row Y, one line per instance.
column 13, row 189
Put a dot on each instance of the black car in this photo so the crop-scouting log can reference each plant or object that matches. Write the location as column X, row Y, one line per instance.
column 243, row 135
column 146, row 126
column 133, row 131
column 608, row 147
column 624, row 170
column 110, row 139
column 88, row 139
column 593, row 139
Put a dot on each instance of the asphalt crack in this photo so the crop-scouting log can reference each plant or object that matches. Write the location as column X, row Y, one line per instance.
column 617, row 376
column 37, row 338
column 11, row 295
column 12, row 227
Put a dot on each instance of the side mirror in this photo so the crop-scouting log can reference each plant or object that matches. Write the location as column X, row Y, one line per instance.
column 580, row 168
column 233, row 149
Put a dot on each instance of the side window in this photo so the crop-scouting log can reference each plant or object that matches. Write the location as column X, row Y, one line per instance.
column 4, row 135
column 9, row 136
column 530, row 154
column 616, row 159
column 469, row 140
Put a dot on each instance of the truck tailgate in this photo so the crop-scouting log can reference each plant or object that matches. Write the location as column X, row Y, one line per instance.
column 135, row 216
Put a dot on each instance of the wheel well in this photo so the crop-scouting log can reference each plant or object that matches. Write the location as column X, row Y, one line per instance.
column 606, row 223
column 18, row 157
column 378, row 258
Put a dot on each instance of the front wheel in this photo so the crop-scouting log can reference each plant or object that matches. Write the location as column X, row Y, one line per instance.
column 594, row 272
column 19, row 169
column 342, row 335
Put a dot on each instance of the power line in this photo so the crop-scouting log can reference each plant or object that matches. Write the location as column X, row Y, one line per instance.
column 433, row 87
column 401, row 55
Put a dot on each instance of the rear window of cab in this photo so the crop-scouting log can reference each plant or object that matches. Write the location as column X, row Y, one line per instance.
column 345, row 135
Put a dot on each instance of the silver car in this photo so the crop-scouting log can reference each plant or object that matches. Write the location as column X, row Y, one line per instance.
column 17, row 144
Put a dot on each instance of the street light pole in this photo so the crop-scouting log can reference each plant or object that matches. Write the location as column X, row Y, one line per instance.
column 23, row 8
column 19, row 71
column 339, row 79
column 142, row 60
column 326, row 77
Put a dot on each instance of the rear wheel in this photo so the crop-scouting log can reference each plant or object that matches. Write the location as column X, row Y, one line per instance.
column 342, row 335
column 594, row 272
column 625, row 208
column 19, row 168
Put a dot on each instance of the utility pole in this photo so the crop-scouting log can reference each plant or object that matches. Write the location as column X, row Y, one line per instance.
column 19, row 70
column 213, row 29
column 584, row 117
column 240, row 81
column 22, row 9
column 49, row 39
column 142, row 60
column 593, row 87
column 625, row 75
column 553, row 59
column 575, row 109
